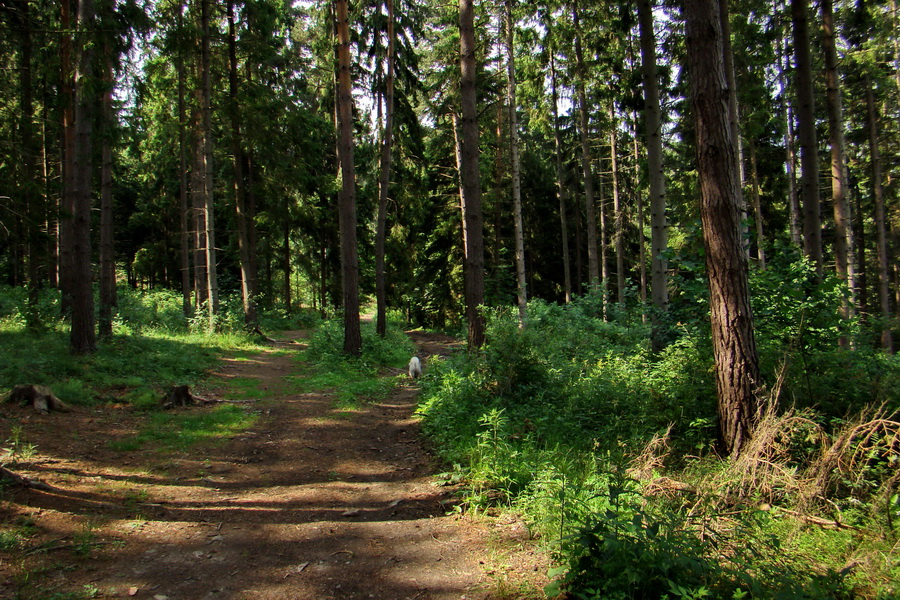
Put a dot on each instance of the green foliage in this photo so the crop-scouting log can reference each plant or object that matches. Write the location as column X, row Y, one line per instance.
column 645, row 550
column 545, row 420
column 352, row 379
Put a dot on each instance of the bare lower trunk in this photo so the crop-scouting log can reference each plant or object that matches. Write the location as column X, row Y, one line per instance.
column 384, row 181
column 734, row 346
column 809, row 163
column 658, row 231
column 842, row 230
column 514, row 157
column 470, row 178
column 83, row 336
column 108, row 297
column 246, row 251
column 757, row 211
column 347, row 198
column 884, row 299
column 561, row 191
column 587, row 172
column 619, row 229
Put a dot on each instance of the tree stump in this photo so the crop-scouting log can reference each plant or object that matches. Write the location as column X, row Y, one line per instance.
column 180, row 395
column 38, row 397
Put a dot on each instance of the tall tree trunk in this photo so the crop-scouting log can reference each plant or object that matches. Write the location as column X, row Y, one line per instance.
column 286, row 258
column 734, row 117
column 561, row 191
column 384, row 180
column 734, row 346
column 67, row 206
column 347, row 198
column 83, row 338
column 806, row 118
column 514, row 158
column 206, row 114
column 198, row 205
column 248, row 275
column 589, row 211
column 108, row 296
column 843, row 250
column 186, row 241
column 619, row 233
column 642, row 242
column 470, row 180
column 757, row 210
column 658, row 231
column 790, row 149
column 29, row 183
column 884, row 298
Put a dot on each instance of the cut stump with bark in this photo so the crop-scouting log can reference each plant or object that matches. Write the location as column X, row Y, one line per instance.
column 181, row 396
column 38, row 397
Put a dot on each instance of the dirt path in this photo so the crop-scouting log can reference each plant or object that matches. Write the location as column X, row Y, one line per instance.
column 311, row 502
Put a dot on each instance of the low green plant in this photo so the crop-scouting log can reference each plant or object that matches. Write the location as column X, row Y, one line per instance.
column 17, row 448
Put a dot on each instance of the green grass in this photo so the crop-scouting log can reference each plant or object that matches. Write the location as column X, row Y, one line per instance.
column 167, row 431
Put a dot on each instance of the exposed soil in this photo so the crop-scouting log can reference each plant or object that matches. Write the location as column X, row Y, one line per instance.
column 311, row 502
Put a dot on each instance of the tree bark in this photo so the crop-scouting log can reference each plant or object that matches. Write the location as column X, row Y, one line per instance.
column 83, row 338
column 246, row 251
column 208, row 205
column 619, row 220
column 470, row 180
column 67, row 200
column 843, row 249
column 347, row 197
column 884, row 297
column 521, row 292
column 806, row 119
column 561, row 191
column 658, row 231
column 587, row 171
column 186, row 245
column 737, row 363
column 757, row 210
column 791, row 158
column 108, row 296
column 384, row 180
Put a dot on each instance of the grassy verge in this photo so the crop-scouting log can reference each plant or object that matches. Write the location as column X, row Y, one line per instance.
column 608, row 453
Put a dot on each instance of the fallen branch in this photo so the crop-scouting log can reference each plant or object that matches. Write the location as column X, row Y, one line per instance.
column 21, row 480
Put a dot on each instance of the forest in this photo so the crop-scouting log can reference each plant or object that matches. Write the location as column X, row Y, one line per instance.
column 667, row 234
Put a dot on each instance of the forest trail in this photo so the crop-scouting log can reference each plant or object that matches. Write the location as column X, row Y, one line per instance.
column 311, row 502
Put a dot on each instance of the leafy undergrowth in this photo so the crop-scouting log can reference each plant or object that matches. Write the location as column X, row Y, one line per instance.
column 324, row 366
column 609, row 453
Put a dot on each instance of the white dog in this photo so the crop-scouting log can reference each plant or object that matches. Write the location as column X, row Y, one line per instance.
column 415, row 367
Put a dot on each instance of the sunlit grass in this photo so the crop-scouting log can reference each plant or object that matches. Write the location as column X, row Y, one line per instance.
column 167, row 431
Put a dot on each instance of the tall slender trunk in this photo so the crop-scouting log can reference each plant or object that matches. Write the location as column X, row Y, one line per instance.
column 619, row 220
column 248, row 275
column 843, row 249
column 347, row 200
column 757, row 210
column 286, row 264
column 514, row 158
column 734, row 345
column 186, row 245
column 658, row 231
column 198, row 204
column 790, row 149
column 384, row 181
column 642, row 242
column 108, row 296
column 209, row 214
column 884, row 299
column 67, row 206
column 470, row 178
column 734, row 118
column 561, row 191
column 589, row 210
column 806, row 118
column 83, row 335
column 29, row 182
